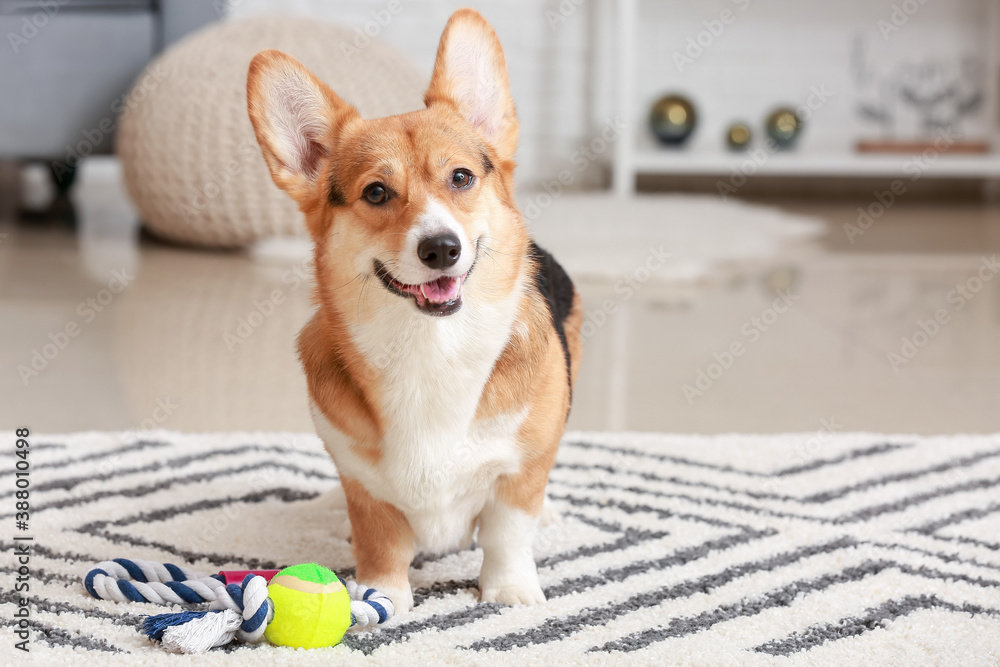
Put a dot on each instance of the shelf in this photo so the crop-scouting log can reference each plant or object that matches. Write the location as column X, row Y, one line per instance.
column 681, row 162
column 634, row 155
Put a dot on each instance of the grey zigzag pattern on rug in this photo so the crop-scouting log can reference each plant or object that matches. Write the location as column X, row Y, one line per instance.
column 755, row 550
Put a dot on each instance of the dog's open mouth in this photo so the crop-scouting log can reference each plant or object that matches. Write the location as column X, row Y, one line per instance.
column 439, row 297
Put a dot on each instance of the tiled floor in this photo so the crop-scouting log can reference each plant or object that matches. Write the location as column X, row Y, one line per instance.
column 181, row 347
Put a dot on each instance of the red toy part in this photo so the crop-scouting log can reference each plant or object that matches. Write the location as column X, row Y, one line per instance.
column 237, row 576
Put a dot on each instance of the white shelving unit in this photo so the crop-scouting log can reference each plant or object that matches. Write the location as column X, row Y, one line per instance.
column 691, row 163
column 638, row 155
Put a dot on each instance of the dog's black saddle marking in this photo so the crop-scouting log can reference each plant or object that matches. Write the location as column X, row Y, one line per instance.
column 555, row 285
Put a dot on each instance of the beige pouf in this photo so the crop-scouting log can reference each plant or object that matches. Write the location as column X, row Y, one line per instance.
column 190, row 159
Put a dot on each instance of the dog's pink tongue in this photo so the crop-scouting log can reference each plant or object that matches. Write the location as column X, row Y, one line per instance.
column 443, row 289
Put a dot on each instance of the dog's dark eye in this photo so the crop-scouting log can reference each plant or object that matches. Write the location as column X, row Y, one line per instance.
column 376, row 193
column 461, row 178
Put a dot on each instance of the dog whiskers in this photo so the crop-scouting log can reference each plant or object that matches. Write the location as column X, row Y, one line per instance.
column 489, row 253
column 349, row 281
column 363, row 294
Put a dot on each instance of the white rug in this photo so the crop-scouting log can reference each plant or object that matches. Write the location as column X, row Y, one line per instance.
column 748, row 550
column 603, row 237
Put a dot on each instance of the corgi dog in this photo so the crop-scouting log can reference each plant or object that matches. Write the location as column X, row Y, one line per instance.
column 441, row 359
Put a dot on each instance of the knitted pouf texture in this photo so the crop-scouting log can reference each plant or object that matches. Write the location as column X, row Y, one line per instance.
column 190, row 158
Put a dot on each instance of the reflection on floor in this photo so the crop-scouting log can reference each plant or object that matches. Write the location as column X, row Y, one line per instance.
column 895, row 332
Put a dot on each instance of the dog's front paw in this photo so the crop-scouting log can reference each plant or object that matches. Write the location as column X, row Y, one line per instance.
column 402, row 598
column 513, row 593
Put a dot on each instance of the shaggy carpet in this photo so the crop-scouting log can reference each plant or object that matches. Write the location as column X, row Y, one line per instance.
column 748, row 550
column 603, row 237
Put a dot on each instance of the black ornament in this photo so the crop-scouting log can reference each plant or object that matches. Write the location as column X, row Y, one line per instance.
column 673, row 119
column 784, row 127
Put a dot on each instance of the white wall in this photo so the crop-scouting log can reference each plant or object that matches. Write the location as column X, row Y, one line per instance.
column 560, row 57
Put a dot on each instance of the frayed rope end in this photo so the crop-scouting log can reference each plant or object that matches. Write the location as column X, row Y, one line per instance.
column 193, row 631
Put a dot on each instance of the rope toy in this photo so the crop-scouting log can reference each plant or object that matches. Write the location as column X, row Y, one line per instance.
column 303, row 606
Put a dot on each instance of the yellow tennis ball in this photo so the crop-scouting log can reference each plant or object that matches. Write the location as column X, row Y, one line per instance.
column 311, row 607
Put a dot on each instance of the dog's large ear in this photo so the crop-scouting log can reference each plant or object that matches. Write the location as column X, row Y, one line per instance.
column 295, row 117
column 470, row 73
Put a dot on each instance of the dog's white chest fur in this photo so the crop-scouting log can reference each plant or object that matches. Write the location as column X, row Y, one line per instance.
column 438, row 462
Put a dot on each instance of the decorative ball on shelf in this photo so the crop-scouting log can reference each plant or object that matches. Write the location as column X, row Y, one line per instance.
column 738, row 136
column 673, row 119
column 784, row 127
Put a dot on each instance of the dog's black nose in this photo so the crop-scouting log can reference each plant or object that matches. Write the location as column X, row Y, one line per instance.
column 440, row 252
